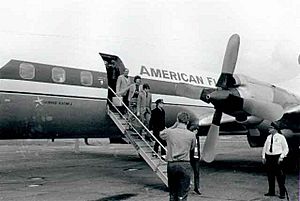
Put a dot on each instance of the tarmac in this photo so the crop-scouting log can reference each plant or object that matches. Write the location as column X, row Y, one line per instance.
column 41, row 170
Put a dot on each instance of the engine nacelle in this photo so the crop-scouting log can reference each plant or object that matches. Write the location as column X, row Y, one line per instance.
column 254, row 89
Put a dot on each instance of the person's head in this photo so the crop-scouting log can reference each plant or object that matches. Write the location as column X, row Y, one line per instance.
column 126, row 72
column 159, row 103
column 137, row 80
column 146, row 87
column 183, row 117
column 272, row 130
column 113, row 64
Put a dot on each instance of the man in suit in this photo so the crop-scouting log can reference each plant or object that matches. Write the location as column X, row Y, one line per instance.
column 133, row 93
column 113, row 73
column 144, row 105
column 122, row 88
column 157, row 124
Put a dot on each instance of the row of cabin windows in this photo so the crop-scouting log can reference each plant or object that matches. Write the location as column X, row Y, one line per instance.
column 27, row 71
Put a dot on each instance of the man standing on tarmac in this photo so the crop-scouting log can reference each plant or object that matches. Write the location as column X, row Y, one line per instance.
column 180, row 143
column 273, row 153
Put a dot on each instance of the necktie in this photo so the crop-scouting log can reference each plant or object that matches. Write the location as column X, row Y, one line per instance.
column 271, row 147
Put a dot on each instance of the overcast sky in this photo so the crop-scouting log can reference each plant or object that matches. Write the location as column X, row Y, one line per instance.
column 192, row 33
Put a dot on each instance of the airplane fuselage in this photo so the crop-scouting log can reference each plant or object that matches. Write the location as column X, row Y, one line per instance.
column 72, row 105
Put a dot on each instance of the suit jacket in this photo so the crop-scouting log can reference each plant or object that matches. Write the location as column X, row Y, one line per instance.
column 157, row 121
column 132, row 89
column 123, row 85
column 112, row 73
column 144, row 102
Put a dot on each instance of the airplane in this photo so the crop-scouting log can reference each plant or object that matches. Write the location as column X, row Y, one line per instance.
column 54, row 83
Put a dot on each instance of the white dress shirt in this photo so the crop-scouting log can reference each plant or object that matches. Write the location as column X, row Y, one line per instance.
column 280, row 146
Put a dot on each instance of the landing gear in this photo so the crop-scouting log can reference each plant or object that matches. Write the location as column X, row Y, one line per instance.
column 86, row 141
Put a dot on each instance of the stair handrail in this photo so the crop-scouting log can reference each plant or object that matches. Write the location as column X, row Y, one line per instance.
column 141, row 123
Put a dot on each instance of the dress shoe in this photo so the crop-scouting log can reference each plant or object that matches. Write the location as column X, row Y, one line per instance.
column 282, row 196
column 197, row 191
column 270, row 194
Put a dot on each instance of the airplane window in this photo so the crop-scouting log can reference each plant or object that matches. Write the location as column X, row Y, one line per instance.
column 27, row 71
column 58, row 75
column 86, row 78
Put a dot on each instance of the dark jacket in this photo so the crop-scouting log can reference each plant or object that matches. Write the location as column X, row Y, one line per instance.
column 157, row 121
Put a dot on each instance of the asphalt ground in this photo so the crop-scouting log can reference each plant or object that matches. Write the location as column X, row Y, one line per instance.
column 41, row 170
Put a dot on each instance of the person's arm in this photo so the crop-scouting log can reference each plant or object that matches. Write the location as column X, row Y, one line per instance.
column 150, row 102
column 264, row 151
column 138, row 104
column 192, row 153
column 118, row 86
column 163, row 134
column 285, row 147
column 130, row 92
column 151, row 121
column 193, row 143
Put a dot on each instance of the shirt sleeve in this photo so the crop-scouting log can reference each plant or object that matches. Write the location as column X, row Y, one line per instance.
column 285, row 147
column 264, row 149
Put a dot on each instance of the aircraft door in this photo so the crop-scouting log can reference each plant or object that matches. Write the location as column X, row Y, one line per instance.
column 114, row 68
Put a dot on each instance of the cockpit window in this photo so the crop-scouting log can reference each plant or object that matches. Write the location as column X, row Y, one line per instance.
column 27, row 71
column 58, row 75
column 86, row 78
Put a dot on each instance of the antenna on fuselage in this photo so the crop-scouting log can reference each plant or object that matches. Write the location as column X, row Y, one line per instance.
column 299, row 59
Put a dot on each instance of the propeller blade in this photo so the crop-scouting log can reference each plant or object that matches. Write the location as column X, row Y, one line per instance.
column 226, row 79
column 209, row 149
column 264, row 110
column 187, row 90
column 231, row 54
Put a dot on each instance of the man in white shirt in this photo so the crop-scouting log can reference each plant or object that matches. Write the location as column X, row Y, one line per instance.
column 273, row 153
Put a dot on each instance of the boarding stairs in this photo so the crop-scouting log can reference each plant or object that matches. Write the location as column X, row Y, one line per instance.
column 137, row 139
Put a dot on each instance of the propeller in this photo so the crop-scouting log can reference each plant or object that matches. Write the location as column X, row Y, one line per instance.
column 225, row 81
column 227, row 99
column 209, row 149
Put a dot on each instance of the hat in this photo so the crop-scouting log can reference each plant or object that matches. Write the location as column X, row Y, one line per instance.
column 159, row 101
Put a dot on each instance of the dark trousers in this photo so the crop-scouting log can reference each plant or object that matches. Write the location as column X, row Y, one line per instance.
column 156, row 145
column 179, row 175
column 275, row 170
column 196, row 169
